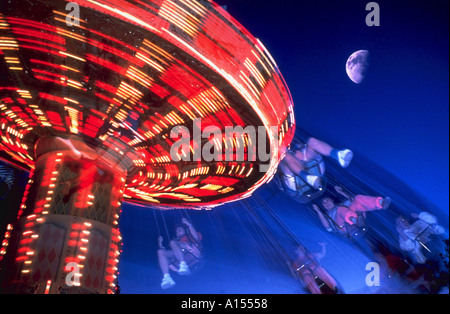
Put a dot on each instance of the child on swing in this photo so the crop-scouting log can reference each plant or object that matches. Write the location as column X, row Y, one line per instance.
column 184, row 249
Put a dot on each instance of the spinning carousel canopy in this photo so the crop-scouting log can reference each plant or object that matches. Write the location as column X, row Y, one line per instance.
column 158, row 83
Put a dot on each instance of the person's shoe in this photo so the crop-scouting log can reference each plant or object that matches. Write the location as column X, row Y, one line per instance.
column 345, row 157
column 386, row 202
column 184, row 269
column 314, row 181
column 167, row 282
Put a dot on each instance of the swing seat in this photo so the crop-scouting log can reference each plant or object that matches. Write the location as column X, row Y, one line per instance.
column 324, row 288
column 195, row 263
column 297, row 188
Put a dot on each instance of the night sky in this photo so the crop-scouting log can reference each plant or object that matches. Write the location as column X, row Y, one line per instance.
column 396, row 123
column 398, row 116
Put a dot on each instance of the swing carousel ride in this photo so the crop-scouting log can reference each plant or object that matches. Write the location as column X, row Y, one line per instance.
column 95, row 107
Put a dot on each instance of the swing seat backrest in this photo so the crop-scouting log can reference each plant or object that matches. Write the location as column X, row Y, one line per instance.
column 297, row 188
column 194, row 257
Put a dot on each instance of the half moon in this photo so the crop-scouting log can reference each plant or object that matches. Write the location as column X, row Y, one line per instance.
column 357, row 66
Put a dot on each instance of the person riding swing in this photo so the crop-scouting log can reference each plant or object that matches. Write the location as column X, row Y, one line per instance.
column 192, row 250
column 301, row 173
column 306, row 268
column 185, row 252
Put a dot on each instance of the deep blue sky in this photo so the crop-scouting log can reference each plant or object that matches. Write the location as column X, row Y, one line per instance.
column 396, row 122
column 398, row 117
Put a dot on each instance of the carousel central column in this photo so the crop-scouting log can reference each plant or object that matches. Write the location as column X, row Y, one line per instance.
column 68, row 234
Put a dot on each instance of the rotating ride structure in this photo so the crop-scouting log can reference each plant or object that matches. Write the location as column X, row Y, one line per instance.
column 95, row 95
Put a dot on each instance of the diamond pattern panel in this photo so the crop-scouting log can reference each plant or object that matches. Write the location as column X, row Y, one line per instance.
column 62, row 197
column 68, row 193
column 48, row 251
column 93, row 275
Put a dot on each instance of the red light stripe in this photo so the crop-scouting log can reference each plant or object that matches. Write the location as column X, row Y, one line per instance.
column 53, row 98
column 21, row 39
column 50, row 74
column 107, row 64
column 43, row 50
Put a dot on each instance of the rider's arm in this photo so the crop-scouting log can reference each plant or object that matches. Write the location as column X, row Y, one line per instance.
column 192, row 229
column 322, row 218
column 160, row 242
column 341, row 191
column 322, row 253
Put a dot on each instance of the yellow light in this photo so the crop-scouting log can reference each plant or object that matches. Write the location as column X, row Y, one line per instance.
column 72, row 56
